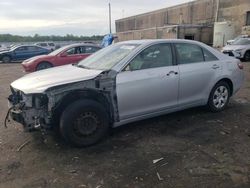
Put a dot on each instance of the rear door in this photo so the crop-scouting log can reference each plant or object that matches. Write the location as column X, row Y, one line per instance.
column 199, row 70
column 35, row 51
column 149, row 83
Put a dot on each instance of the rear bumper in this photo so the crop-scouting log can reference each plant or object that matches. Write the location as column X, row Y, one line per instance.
column 238, row 81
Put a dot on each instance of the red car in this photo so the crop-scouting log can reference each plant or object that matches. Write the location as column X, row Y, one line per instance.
column 66, row 55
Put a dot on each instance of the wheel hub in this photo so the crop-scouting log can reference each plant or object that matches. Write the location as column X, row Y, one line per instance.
column 86, row 124
column 220, row 97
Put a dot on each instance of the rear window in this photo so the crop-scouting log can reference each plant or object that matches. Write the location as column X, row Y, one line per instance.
column 42, row 44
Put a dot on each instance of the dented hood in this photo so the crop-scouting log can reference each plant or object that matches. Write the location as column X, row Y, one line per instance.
column 40, row 81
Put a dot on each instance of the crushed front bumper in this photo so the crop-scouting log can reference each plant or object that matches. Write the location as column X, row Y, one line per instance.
column 17, row 116
column 31, row 118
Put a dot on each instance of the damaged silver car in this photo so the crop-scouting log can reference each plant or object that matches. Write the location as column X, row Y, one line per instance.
column 123, row 83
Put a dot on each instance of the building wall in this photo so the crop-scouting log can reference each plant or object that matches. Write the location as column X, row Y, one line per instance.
column 201, row 12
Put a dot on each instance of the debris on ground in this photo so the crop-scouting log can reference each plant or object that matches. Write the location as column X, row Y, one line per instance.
column 23, row 145
column 214, row 121
column 157, row 160
column 159, row 177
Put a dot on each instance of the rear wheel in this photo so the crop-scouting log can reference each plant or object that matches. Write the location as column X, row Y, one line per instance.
column 6, row 59
column 247, row 56
column 219, row 97
column 44, row 65
column 84, row 123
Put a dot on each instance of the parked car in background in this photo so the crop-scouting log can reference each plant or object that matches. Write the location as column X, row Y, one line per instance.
column 239, row 49
column 122, row 83
column 229, row 42
column 21, row 52
column 48, row 45
column 2, row 47
column 66, row 55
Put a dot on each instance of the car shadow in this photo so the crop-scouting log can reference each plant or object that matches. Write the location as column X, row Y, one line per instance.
column 186, row 124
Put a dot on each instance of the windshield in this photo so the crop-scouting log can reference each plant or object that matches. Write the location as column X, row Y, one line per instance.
column 108, row 57
column 242, row 41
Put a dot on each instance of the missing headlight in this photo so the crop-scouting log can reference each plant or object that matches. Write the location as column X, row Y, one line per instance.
column 39, row 100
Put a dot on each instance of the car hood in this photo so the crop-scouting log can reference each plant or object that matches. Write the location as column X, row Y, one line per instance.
column 37, row 58
column 40, row 81
column 3, row 51
column 234, row 47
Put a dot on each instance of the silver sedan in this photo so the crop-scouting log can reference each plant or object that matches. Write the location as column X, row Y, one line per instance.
column 123, row 83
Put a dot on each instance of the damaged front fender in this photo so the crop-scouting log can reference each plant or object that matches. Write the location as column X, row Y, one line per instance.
column 40, row 110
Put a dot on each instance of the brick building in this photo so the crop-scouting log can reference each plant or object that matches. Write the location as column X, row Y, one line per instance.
column 192, row 20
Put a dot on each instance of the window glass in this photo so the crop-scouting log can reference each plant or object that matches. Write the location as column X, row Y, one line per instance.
column 90, row 49
column 51, row 44
column 108, row 57
column 21, row 49
column 42, row 44
column 33, row 48
column 242, row 41
column 248, row 18
column 189, row 53
column 81, row 50
column 209, row 56
column 71, row 51
column 159, row 55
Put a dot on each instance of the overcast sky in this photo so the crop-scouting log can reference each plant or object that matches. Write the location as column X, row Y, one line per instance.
column 78, row 17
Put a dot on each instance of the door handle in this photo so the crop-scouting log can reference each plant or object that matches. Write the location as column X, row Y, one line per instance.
column 215, row 66
column 172, row 72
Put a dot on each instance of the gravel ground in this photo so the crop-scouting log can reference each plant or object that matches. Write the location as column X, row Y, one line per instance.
column 198, row 149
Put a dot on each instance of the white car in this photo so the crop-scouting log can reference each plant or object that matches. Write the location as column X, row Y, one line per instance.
column 48, row 45
column 123, row 83
column 229, row 42
column 239, row 49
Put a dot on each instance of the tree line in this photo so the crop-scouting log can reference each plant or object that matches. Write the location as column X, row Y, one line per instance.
column 39, row 38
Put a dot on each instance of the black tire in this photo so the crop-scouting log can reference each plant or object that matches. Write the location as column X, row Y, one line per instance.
column 247, row 56
column 6, row 59
column 84, row 123
column 43, row 65
column 217, row 101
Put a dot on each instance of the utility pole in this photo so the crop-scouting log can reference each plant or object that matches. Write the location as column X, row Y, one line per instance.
column 110, row 31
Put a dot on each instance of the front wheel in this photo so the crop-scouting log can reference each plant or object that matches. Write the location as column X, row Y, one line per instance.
column 219, row 97
column 84, row 123
column 6, row 59
column 43, row 65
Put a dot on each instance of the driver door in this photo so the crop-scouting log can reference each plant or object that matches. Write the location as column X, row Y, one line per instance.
column 149, row 83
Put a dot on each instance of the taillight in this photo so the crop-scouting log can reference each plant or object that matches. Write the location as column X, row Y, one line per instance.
column 240, row 65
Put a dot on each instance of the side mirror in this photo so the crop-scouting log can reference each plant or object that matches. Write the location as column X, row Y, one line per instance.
column 64, row 54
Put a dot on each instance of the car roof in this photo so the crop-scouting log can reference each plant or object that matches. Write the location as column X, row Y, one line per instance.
column 149, row 41
column 15, row 47
column 81, row 44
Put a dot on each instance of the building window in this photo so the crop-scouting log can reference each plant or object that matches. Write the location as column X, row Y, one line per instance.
column 248, row 18
column 189, row 37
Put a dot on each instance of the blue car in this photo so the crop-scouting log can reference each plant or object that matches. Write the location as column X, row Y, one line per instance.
column 19, row 53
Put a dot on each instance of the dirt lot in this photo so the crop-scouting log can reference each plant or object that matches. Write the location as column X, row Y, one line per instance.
column 199, row 149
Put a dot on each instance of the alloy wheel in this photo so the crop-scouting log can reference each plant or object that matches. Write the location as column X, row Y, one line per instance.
column 220, row 97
